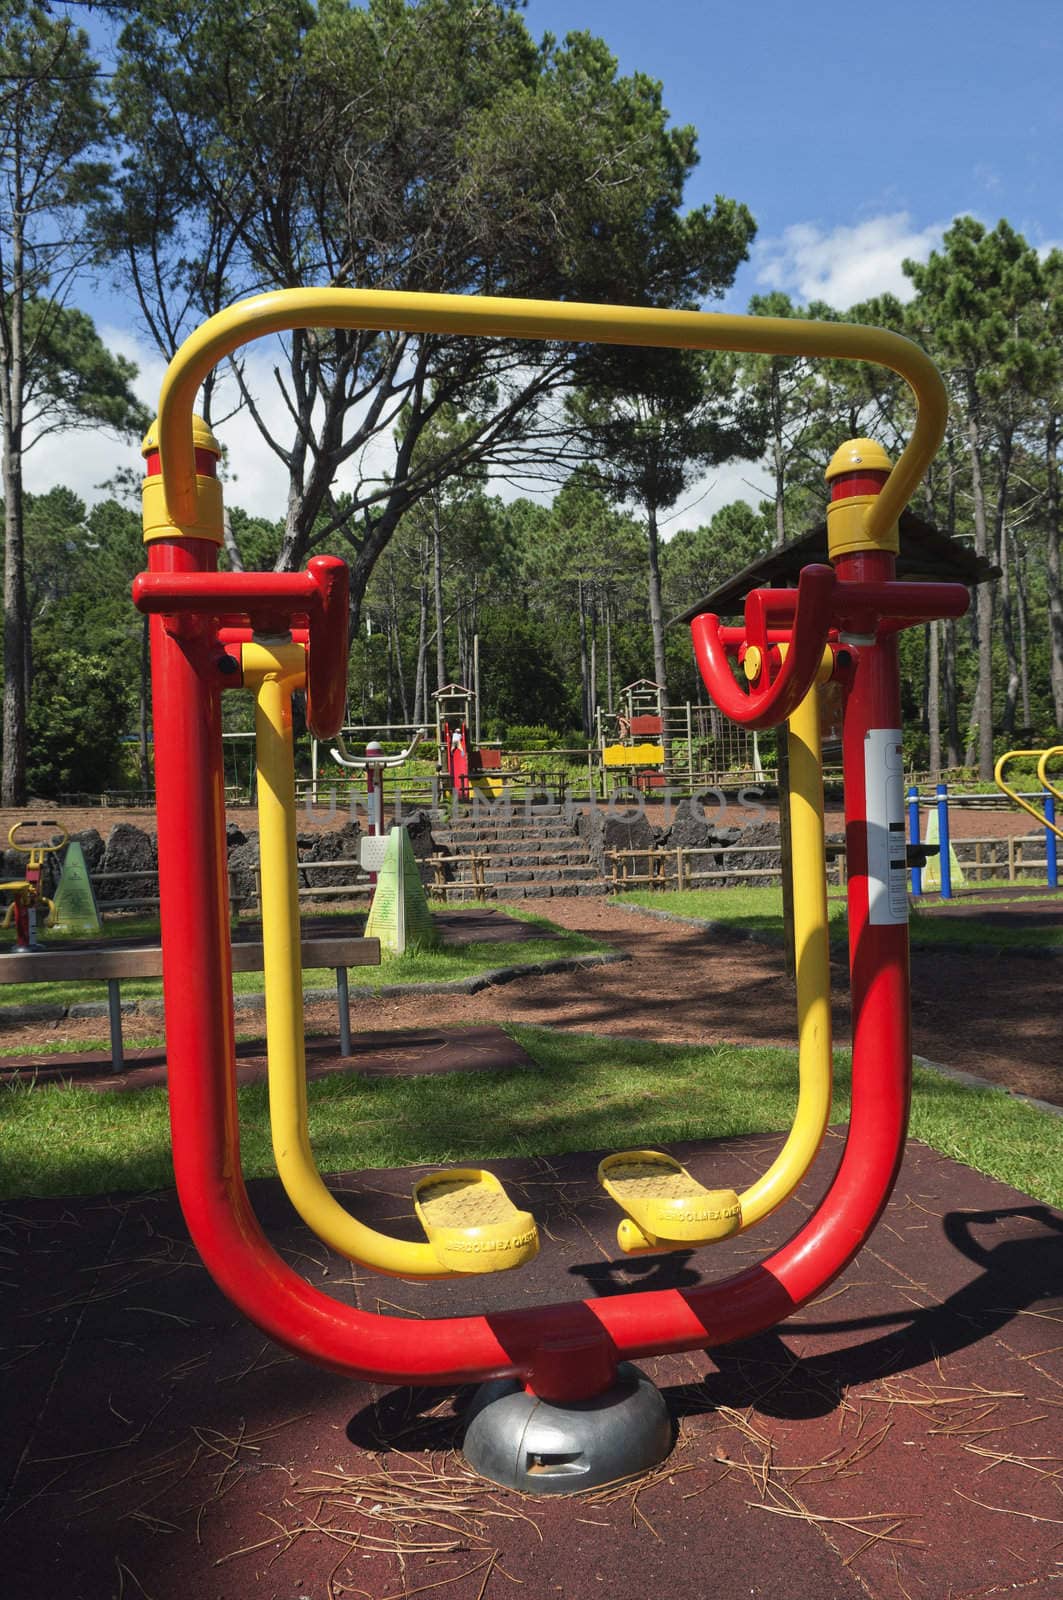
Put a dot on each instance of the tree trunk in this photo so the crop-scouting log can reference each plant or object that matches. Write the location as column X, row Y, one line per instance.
column 437, row 574
column 464, row 673
column 13, row 783
column 660, row 671
column 584, row 714
column 420, row 707
column 1007, row 617
column 13, row 789
column 778, row 452
column 608, row 654
column 232, row 549
column 1052, row 564
column 1022, row 612
column 952, row 709
column 592, row 698
column 924, row 683
column 983, row 694
column 389, row 665
column 396, row 642
column 933, row 700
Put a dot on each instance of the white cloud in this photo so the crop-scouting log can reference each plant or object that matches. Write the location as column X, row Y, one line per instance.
column 735, row 480
column 82, row 459
column 256, row 479
column 846, row 264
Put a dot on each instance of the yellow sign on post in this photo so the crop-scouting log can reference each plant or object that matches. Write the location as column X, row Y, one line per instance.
column 76, row 910
column 399, row 914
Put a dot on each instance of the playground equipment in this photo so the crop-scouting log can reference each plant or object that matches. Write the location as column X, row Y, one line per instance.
column 469, row 767
column 920, row 850
column 706, row 747
column 1049, row 795
column 26, row 893
column 374, row 763
column 563, row 1409
column 637, row 749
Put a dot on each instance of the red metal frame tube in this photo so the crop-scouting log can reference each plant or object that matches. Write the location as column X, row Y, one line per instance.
column 562, row 1351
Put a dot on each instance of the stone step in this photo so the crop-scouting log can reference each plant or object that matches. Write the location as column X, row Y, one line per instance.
column 446, row 817
column 467, row 835
column 564, row 874
column 531, row 850
column 514, row 859
column 487, row 846
column 544, row 890
column 545, row 860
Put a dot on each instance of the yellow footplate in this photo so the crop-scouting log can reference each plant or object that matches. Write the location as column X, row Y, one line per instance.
column 666, row 1207
column 472, row 1224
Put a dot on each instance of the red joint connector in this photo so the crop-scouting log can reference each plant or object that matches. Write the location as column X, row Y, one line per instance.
column 206, row 463
column 864, row 481
column 779, row 688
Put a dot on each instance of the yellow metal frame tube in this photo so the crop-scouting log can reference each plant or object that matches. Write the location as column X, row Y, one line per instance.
column 480, row 316
column 1042, row 770
column 808, row 867
column 1013, row 795
column 274, row 671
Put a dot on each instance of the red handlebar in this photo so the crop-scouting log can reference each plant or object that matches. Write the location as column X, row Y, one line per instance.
column 314, row 600
column 326, row 670
column 772, row 698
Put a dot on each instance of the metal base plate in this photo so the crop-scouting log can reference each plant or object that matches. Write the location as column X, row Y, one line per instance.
column 515, row 1439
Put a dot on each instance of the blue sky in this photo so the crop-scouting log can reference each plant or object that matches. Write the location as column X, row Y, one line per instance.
column 854, row 135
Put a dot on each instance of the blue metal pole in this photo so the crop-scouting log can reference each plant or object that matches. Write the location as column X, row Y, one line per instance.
column 943, row 841
column 1050, row 842
column 913, row 835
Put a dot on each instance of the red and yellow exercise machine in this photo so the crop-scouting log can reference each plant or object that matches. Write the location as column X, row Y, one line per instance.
column 26, row 892
column 558, row 1372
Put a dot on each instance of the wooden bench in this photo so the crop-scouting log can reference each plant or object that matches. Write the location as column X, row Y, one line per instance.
column 57, row 965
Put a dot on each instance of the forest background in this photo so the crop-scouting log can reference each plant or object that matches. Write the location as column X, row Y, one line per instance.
column 438, row 146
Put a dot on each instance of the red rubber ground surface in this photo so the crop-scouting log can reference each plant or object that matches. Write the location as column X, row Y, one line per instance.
column 900, row 1438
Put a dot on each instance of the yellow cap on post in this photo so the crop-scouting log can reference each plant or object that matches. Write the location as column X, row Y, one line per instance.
column 856, row 474
column 158, row 523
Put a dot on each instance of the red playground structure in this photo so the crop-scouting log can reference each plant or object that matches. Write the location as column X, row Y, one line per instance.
column 561, row 1407
column 469, row 766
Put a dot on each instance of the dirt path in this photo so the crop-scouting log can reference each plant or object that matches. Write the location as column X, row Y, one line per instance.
column 994, row 1016
column 997, row 1017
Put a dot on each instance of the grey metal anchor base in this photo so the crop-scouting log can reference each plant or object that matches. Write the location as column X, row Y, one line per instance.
column 522, row 1442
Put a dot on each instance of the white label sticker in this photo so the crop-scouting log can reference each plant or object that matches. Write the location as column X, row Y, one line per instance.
column 887, row 887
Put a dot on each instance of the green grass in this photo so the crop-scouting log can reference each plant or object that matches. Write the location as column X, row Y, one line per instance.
column 417, row 966
column 588, row 1093
column 760, row 910
column 927, row 929
column 146, row 927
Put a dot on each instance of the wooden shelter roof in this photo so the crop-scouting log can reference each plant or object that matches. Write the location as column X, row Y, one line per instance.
column 925, row 553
